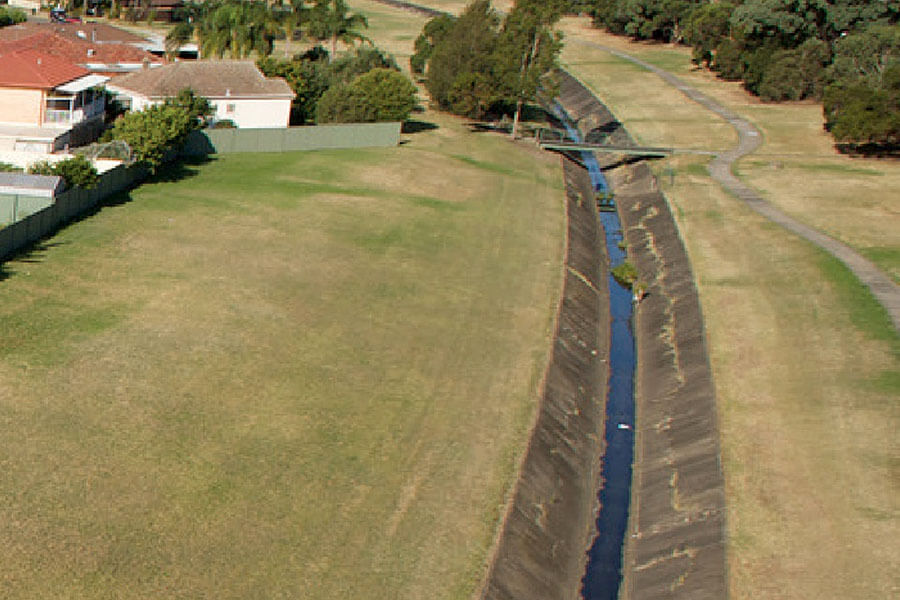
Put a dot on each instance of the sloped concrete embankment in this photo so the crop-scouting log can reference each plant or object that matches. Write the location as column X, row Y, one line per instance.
column 676, row 542
column 540, row 553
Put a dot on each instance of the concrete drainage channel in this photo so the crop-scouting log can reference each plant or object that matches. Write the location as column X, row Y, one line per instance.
column 550, row 546
column 675, row 544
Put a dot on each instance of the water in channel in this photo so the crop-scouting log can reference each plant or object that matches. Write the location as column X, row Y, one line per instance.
column 603, row 574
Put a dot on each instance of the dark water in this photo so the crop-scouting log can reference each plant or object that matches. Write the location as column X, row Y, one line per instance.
column 604, row 569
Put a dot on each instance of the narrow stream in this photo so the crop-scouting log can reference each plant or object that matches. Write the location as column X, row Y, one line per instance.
column 603, row 574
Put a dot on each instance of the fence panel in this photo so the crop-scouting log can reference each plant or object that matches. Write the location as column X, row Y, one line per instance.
column 352, row 135
column 6, row 242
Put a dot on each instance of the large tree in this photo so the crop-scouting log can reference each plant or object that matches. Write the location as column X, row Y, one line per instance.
column 527, row 50
column 462, row 72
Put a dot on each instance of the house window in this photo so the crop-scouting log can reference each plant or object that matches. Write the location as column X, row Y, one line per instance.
column 229, row 109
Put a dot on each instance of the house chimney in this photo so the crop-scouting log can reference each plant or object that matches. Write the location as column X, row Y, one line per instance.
column 145, row 64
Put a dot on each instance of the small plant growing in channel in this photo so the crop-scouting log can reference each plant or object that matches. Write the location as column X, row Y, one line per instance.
column 626, row 274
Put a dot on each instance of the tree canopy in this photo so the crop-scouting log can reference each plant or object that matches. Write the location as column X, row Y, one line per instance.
column 478, row 63
column 782, row 49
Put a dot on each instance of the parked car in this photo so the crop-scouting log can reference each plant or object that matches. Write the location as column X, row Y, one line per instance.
column 58, row 15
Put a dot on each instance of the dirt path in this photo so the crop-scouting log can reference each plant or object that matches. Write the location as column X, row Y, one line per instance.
column 749, row 139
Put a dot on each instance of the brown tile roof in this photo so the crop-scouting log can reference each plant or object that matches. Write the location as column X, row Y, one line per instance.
column 209, row 78
column 34, row 69
column 78, row 51
column 92, row 32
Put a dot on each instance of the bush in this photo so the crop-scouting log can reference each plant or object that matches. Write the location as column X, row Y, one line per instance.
column 626, row 274
column 11, row 16
column 8, row 168
column 224, row 124
column 77, row 171
column 153, row 131
column 376, row 96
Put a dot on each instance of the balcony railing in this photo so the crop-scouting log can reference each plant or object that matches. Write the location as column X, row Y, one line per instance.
column 75, row 116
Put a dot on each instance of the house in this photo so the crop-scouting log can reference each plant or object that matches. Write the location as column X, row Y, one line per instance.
column 238, row 91
column 47, row 103
column 98, row 58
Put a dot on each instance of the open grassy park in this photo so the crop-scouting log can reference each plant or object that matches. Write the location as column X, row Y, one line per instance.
column 302, row 375
column 805, row 363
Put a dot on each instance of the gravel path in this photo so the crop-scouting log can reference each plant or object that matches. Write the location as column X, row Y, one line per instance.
column 884, row 289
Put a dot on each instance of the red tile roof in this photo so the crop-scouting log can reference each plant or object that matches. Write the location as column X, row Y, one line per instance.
column 78, row 51
column 34, row 69
column 92, row 32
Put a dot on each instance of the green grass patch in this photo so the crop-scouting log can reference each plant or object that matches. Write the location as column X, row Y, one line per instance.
column 887, row 258
column 866, row 313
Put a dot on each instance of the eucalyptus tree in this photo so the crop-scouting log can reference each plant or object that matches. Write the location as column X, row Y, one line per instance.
column 528, row 50
column 331, row 20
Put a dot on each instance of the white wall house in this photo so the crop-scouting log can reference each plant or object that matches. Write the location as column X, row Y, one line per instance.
column 237, row 90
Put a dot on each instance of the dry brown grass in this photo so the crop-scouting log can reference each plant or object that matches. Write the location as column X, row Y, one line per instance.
column 301, row 375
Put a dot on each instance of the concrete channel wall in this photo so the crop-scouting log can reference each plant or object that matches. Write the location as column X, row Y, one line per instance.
column 541, row 551
column 675, row 546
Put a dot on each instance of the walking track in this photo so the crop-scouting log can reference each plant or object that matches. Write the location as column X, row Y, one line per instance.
column 884, row 289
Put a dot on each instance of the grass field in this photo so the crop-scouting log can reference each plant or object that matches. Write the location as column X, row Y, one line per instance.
column 805, row 362
column 303, row 375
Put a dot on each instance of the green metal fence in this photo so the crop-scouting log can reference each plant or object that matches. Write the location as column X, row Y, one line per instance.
column 14, row 207
column 28, row 227
column 319, row 137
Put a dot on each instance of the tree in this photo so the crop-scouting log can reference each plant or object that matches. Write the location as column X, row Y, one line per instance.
column 309, row 77
column 377, row 96
column 434, row 31
column 330, row 20
column 527, row 50
column 153, row 131
column 11, row 16
column 706, row 27
column 865, row 56
column 462, row 72
column 237, row 28
column 77, row 171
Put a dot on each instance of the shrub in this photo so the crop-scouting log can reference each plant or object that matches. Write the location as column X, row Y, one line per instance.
column 77, row 171
column 11, row 16
column 625, row 274
column 8, row 168
column 376, row 96
column 153, row 131
column 224, row 124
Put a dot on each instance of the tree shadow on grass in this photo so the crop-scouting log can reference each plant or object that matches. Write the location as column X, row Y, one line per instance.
column 184, row 168
column 169, row 172
column 30, row 254
column 415, row 126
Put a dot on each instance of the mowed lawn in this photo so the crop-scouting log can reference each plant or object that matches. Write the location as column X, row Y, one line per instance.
column 805, row 362
column 304, row 375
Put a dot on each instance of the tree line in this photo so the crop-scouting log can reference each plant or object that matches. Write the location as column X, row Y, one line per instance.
column 480, row 64
column 843, row 52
